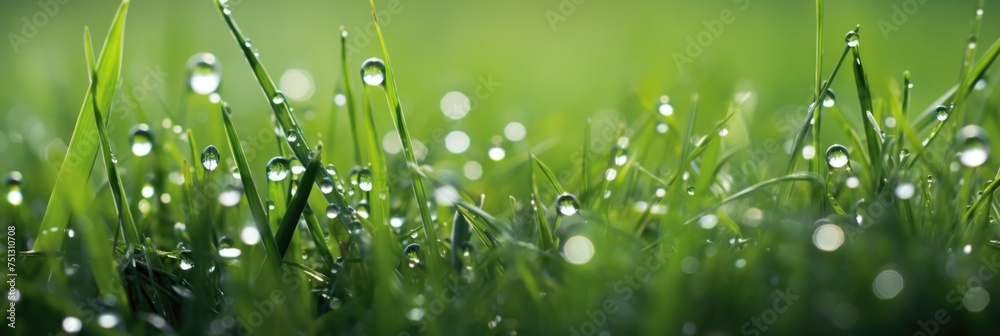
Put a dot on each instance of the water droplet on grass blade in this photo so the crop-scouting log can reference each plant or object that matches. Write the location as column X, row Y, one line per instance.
column 13, row 182
column 690, row 191
column 332, row 211
column 277, row 169
column 210, row 158
column 226, row 249
column 567, row 205
column 362, row 209
column 278, row 98
column 204, row 73
column 829, row 100
column 292, row 136
column 852, row 39
column 364, row 179
column 837, row 157
column 296, row 166
column 412, row 253
column 975, row 146
column 326, row 186
column 941, row 112
column 373, row 72
column 141, row 139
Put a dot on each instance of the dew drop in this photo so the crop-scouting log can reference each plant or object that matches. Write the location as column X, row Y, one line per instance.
column 975, row 146
column 210, row 158
column 567, row 205
column 690, row 191
column 362, row 209
column 278, row 98
column 373, row 72
column 141, row 139
column 852, row 39
column 837, row 157
column 364, row 179
column 941, row 112
column 326, row 186
column 296, row 166
column 412, row 253
column 292, row 136
column 332, row 211
column 204, row 73
column 277, row 169
column 13, row 182
column 829, row 100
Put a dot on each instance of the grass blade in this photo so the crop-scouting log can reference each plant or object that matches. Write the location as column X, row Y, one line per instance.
column 298, row 204
column 404, row 135
column 83, row 144
column 253, row 197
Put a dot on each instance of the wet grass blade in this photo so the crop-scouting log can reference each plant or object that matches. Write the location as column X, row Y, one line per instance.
column 83, row 144
column 252, row 196
column 125, row 218
column 290, row 221
column 282, row 111
column 549, row 176
column 349, row 94
column 392, row 96
column 927, row 117
column 873, row 135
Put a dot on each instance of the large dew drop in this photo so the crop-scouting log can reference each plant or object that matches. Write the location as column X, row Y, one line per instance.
column 373, row 72
column 141, row 139
column 364, row 179
column 852, row 39
column 975, row 146
column 204, row 73
column 277, row 169
column 567, row 205
column 332, row 211
column 829, row 100
column 941, row 112
column 13, row 183
column 210, row 158
column 837, row 157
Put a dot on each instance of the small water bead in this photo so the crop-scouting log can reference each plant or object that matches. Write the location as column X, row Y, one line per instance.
column 373, row 72
column 941, row 112
column 114, row 158
column 837, row 157
column 277, row 169
column 230, row 196
column 621, row 156
column 364, row 179
column 326, row 186
column 210, row 158
column 975, row 146
column 930, row 179
column 296, row 166
column 723, row 132
column 362, row 209
column 204, row 73
column 292, row 136
column 235, row 171
column 905, row 190
column 829, row 100
column 852, row 39
column 141, row 138
column 278, row 98
column 610, row 174
column 13, row 182
column 981, row 84
column 567, row 205
column 690, row 191
column 226, row 249
column 412, row 253
column 332, row 211
column 665, row 108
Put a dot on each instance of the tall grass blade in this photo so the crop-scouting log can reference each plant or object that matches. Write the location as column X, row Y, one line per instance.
column 83, row 144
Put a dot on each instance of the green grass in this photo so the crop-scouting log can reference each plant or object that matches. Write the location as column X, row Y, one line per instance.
column 706, row 228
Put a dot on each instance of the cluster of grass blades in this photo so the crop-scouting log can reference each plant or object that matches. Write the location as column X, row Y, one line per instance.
column 662, row 232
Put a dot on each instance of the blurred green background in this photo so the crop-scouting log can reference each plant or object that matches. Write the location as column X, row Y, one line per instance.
column 605, row 56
